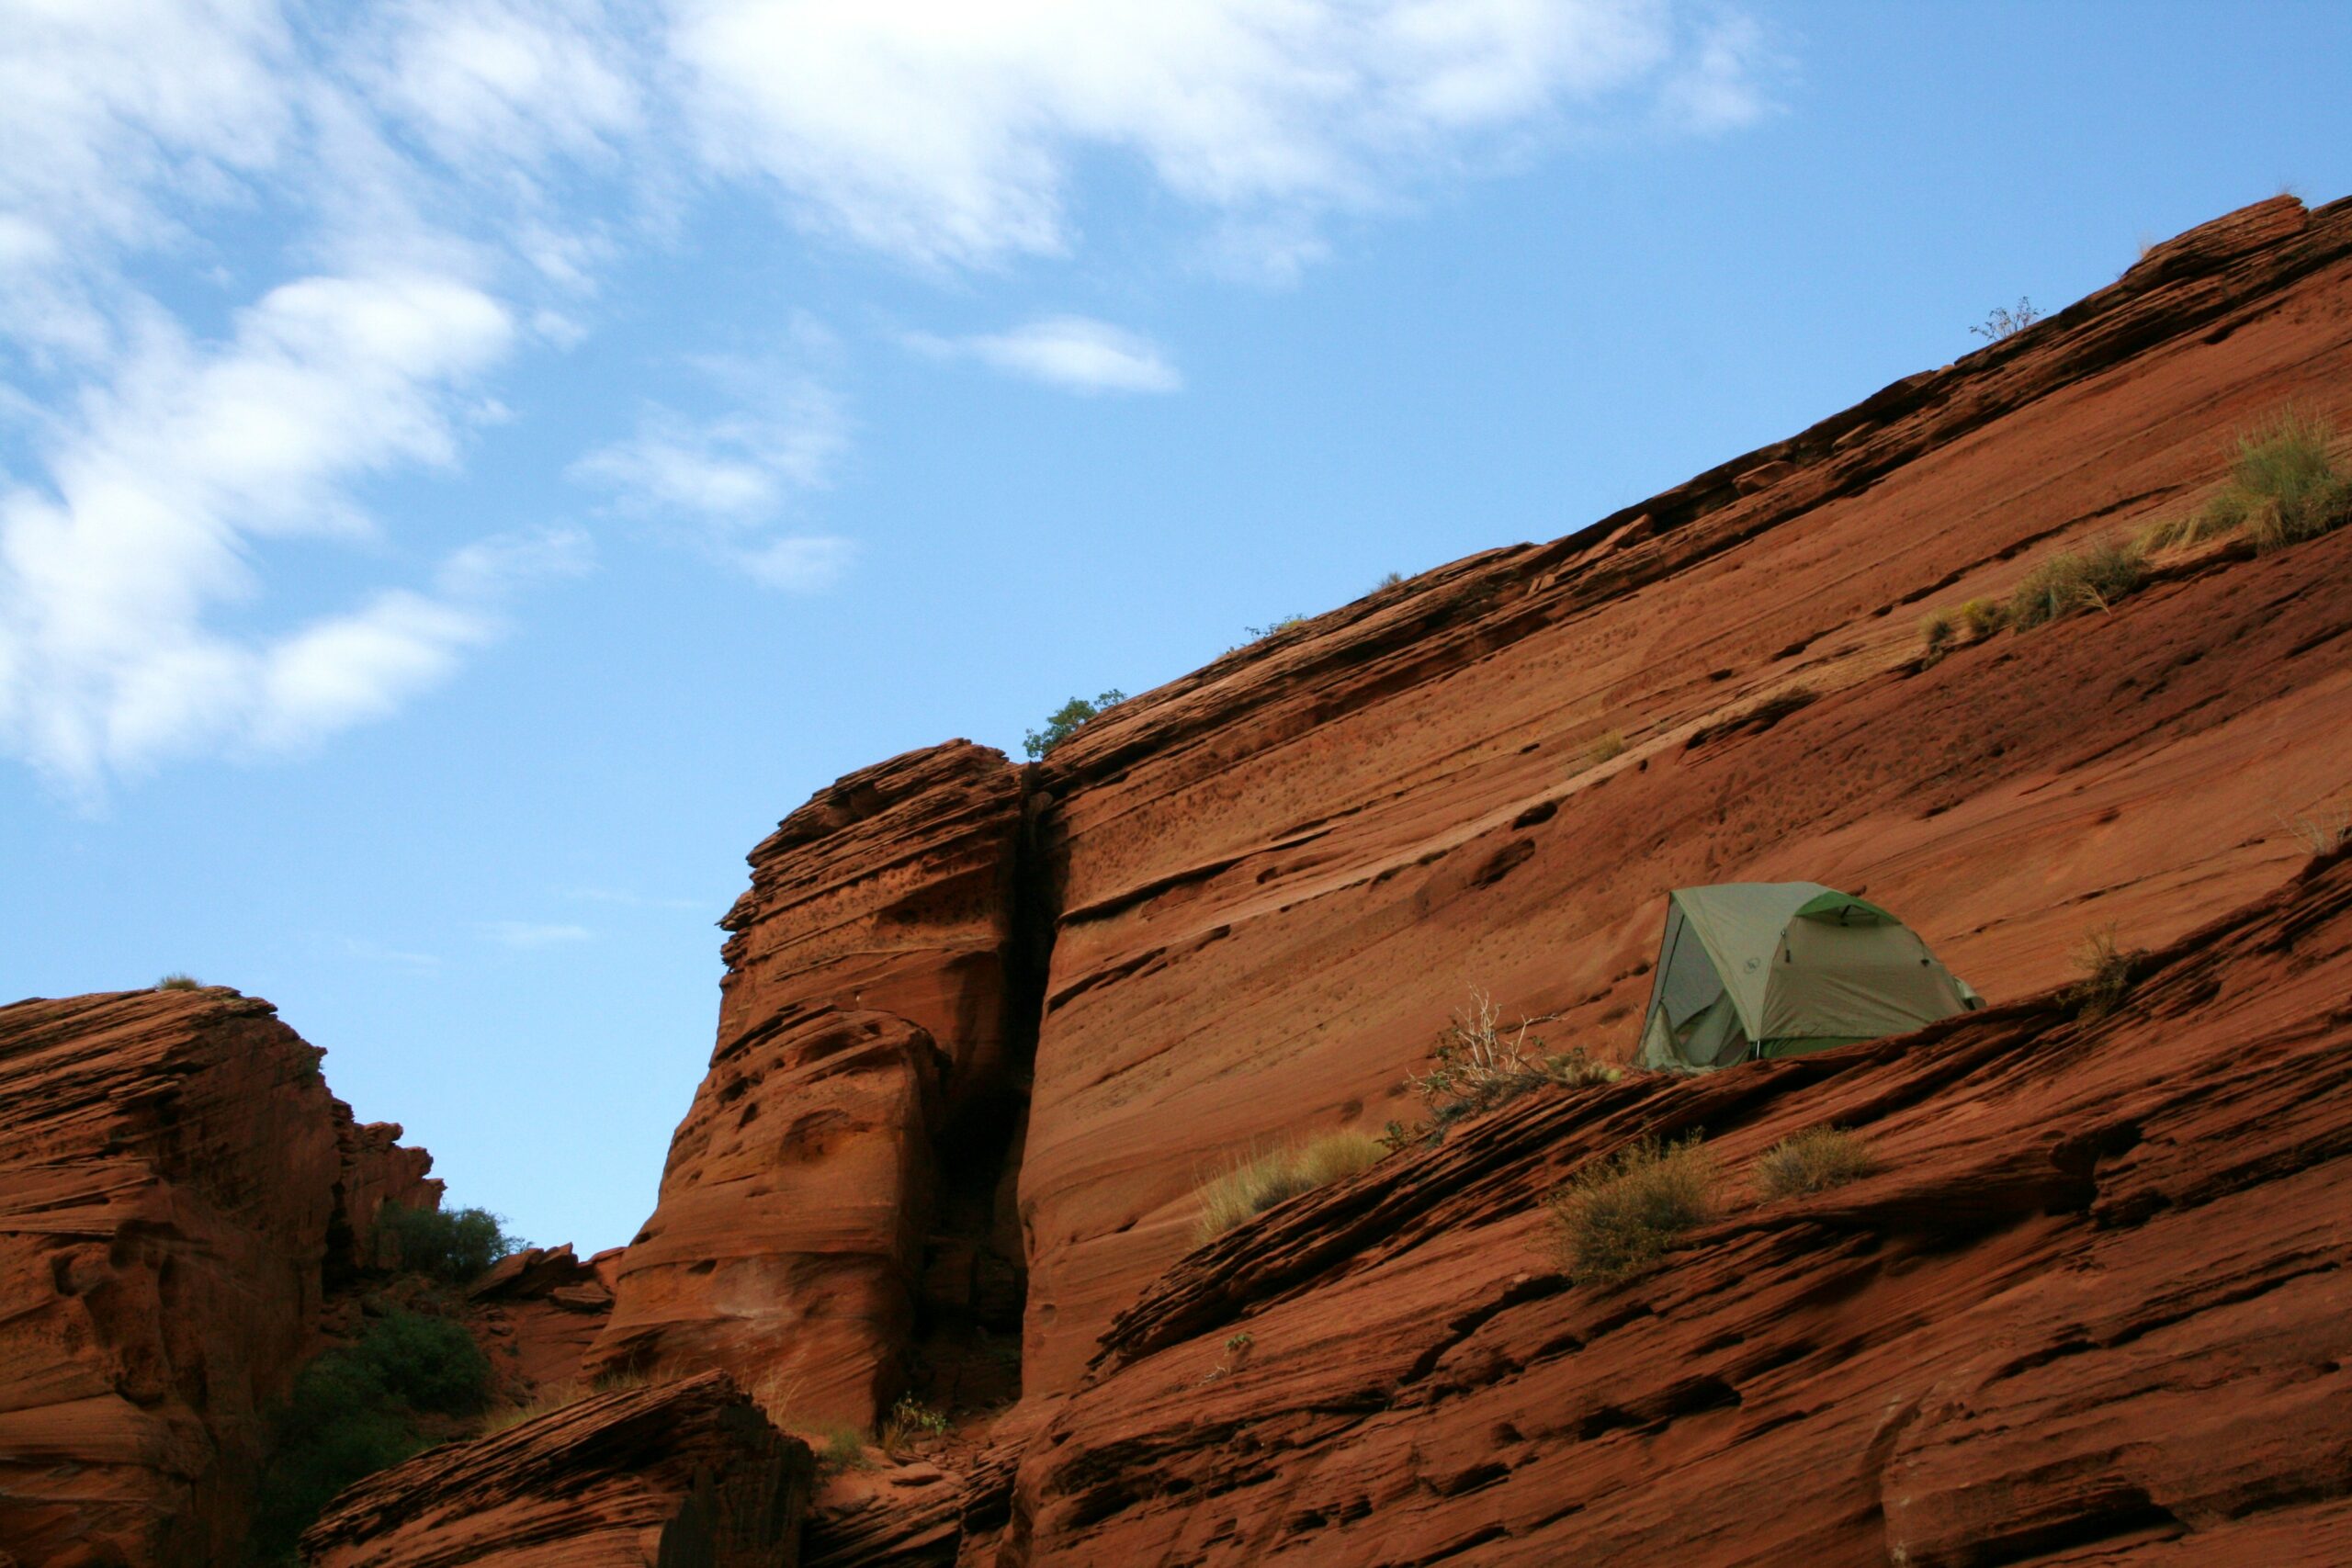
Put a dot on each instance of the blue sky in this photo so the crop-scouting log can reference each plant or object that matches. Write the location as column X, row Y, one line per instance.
column 468, row 469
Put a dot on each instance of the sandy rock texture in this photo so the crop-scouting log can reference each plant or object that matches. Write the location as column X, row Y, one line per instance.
column 1275, row 878
column 837, row 1197
column 2090, row 1307
column 685, row 1474
column 175, row 1184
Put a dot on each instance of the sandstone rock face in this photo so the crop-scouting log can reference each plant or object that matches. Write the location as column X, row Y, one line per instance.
column 174, row 1181
column 837, row 1195
column 685, row 1475
column 2086, row 1311
column 538, row 1311
column 2090, row 1308
column 1275, row 878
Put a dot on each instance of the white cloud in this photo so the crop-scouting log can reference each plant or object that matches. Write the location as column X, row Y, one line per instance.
column 526, row 935
column 162, row 485
column 946, row 131
column 502, row 81
column 1074, row 352
column 726, row 483
column 799, row 564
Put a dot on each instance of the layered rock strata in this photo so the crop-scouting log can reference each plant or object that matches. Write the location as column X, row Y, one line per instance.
column 2090, row 1308
column 175, row 1184
column 685, row 1474
column 835, row 1218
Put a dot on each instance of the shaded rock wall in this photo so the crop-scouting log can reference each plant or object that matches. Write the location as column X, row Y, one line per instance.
column 835, row 1218
column 685, row 1474
column 174, row 1181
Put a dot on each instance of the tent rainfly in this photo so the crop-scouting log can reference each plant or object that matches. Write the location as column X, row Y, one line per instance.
column 1750, row 969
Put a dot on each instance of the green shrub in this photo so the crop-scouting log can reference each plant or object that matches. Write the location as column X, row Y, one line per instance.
column 456, row 1245
column 1619, row 1217
column 840, row 1446
column 353, row 1412
column 2094, row 578
column 1255, row 1185
column 908, row 1419
column 1812, row 1161
column 1477, row 1065
column 176, row 981
column 1064, row 721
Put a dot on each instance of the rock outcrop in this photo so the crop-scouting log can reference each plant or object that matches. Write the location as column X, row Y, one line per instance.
column 685, row 1474
column 840, row 1190
column 2091, row 1308
column 1260, row 890
column 176, row 1183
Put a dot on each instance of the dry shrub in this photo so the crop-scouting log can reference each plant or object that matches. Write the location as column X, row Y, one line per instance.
column 2323, row 829
column 1936, row 629
column 2089, row 579
column 1255, row 1185
column 1812, row 1161
column 1618, row 1218
column 1477, row 1065
column 178, row 982
column 1606, row 746
column 559, row 1396
column 2108, row 973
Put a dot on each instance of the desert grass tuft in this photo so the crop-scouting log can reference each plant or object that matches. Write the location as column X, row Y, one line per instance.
column 1255, row 1185
column 2107, row 971
column 1812, row 1161
column 2092, row 578
column 178, row 982
column 1617, row 1219
column 1607, row 746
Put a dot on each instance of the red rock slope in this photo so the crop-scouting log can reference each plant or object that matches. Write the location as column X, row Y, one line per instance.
column 2091, row 1309
column 685, row 1474
column 176, row 1182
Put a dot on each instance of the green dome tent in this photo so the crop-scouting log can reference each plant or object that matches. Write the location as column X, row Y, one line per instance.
column 1750, row 969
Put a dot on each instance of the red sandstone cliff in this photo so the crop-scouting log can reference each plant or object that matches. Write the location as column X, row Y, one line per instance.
column 1249, row 897
column 175, row 1184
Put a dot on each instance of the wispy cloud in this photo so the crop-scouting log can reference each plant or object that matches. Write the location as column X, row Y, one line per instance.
column 947, row 134
column 531, row 935
column 168, row 472
column 1074, row 352
column 728, row 483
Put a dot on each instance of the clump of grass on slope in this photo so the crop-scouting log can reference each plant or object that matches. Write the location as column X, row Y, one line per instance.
column 2284, row 487
column 1255, row 1185
column 2093, row 577
column 1618, row 1218
column 1812, row 1161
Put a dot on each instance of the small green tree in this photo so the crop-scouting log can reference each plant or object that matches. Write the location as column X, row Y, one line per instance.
column 1064, row 721
column 450, row 1244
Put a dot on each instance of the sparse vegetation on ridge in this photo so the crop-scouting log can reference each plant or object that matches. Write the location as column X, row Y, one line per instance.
column 2002, row 321
column 1064, row 721
column 1252, row 1186
column 175, row 981
column 455, row 1244
column 1616, row 1219
column 560, row 1396
column 1812, row 1161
